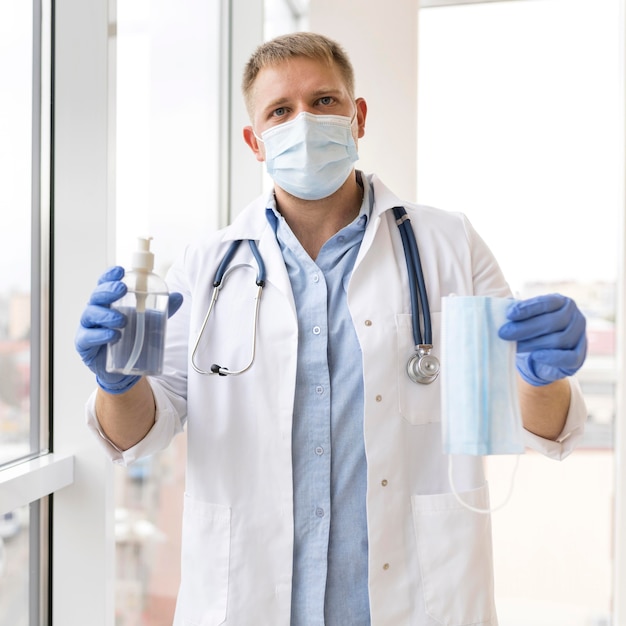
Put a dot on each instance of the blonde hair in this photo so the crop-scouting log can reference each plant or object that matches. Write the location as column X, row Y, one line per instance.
column 293, row 45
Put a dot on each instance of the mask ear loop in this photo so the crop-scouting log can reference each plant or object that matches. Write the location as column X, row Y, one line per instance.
column 476, row 509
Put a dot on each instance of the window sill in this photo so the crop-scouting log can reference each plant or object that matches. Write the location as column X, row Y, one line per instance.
column 29, row 481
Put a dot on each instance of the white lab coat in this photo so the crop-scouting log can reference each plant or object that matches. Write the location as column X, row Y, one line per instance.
column 429, row 558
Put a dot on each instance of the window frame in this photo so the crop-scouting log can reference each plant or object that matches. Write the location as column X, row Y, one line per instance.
column 28, row 481
column 426, row 4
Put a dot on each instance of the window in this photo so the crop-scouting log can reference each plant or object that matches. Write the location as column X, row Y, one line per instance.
column 22, row 295
column 519, row 127
column 28, row 473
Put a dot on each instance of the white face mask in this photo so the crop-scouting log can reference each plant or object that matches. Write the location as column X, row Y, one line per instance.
column 480, row 404
column 481, row 413
column 310, row 156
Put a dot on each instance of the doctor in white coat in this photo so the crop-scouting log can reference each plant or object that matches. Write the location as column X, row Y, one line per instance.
column 317, row 492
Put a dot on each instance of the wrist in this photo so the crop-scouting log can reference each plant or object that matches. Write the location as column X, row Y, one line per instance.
column 116, row 388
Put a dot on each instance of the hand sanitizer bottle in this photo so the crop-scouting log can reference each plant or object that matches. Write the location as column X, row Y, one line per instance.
column 140, row 348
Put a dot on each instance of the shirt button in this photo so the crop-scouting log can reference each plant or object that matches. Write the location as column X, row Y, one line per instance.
column 384, row 482
column 316, row 330
column 368, row 322
column 319, row 450
column 341, row 239
column 386, row 566
column 319, row 512
column 316, row 278
column 319, row 389
column 379, row 398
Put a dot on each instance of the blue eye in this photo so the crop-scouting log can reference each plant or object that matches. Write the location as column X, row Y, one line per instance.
column 326, row 100
column 280, row 112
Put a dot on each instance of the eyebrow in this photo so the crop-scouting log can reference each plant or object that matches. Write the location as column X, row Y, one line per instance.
column 324, row 91
column 275, row 104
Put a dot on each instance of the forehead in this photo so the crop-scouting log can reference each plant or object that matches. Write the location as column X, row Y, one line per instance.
column 294, row 78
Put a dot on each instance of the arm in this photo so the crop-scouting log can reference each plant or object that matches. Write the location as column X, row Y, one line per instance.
column 544, row 409
column 126, row 418
column 551, row 345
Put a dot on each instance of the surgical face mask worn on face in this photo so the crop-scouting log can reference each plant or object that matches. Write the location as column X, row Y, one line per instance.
column 310, row 156
column 480, row 404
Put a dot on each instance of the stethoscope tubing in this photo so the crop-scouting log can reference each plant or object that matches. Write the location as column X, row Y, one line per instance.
column 228, row 257
column 417, row 289
column 219, row 281
column 417, row 284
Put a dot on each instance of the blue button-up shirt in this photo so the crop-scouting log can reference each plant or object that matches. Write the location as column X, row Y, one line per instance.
column 329, row 466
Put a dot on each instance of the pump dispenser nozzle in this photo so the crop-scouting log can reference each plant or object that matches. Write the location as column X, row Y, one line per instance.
column 142, row 263
column 143, row 259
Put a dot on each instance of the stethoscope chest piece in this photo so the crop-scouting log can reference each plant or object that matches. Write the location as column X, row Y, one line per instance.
column 423, row 367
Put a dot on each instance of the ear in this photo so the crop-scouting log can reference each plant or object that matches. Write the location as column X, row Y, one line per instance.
column 361, row 114
column 250, row 138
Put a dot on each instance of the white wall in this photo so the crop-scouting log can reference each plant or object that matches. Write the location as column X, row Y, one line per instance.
column 381, row 40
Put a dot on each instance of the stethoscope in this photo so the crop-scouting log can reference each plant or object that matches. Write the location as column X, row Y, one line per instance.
column 422, row 367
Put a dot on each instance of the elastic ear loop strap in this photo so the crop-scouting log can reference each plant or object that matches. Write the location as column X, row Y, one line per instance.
column 476, row 509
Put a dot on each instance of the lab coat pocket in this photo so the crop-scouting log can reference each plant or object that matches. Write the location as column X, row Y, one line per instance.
column 205, row 562
column 418, row 403
column 455, row 557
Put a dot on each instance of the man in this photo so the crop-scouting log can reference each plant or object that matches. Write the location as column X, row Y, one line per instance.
column 317, row 492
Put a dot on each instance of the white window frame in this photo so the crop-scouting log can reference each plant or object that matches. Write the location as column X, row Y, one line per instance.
column 82, row 521
column 425, row 4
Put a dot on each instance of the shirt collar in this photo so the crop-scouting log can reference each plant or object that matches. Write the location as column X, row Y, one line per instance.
column 274, row 217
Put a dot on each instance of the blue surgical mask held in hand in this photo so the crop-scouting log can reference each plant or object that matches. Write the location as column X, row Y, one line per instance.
column 480, row 406
column 550, row 332
column 481, row 413
column 310, row 156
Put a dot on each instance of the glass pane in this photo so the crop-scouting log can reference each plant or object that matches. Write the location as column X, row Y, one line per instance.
column 19, row 417
column 519, row 127
column 16, row 46
column 14, row 568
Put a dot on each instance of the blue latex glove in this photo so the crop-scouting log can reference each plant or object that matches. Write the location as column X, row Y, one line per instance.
column 550, row 335
column 99, row 325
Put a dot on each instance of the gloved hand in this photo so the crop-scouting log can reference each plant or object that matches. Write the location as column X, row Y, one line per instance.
column 550, row 335
column 99, row 325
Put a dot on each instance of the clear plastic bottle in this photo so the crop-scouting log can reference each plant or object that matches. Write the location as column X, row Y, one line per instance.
column 140, row 348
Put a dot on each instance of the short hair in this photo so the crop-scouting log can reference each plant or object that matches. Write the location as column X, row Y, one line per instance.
column 294, row 45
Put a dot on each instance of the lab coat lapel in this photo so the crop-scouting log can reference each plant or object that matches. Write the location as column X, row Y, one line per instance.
column 384, row 200
column 275, row 265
